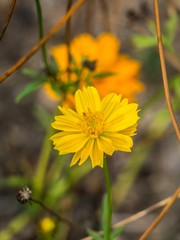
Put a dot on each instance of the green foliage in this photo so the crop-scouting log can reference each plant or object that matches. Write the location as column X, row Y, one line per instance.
column 103, row 74
column 142, row 41
column 171, row 27
column 14, row 181
column 176, row 85
column 116, row 232
column 33, row 74
column 31, row 87
column 38, row 80
column 42, row 115
column 95, row 235
column 104, row 213
column 146, row 41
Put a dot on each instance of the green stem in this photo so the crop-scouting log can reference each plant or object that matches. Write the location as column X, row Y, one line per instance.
column 42, row 163
column 41, row 34
column 107, row 233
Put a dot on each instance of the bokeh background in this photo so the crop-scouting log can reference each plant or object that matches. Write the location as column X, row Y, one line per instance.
column 151, row 174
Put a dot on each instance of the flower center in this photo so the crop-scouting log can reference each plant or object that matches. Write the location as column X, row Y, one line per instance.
column 92, row 124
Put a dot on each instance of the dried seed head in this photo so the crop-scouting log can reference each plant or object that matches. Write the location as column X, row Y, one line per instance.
column 24, row 195
column 91, row 65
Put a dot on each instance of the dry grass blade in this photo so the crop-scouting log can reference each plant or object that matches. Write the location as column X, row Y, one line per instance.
column 163, row 69
column 161, row 215
column 68, row 35
column 13, row 3
column 141, row 214
column 34, row 49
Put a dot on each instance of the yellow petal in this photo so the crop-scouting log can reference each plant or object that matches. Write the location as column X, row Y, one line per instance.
column 105, row 145
column 71, row 143
column 130, row 131
column 65, row 124
column 121, row 142
column 123, row 118
column 69, row 112
column 87, row 99
column 110, row 103
column 76, row 158
column 85, row 153
column 96, row 156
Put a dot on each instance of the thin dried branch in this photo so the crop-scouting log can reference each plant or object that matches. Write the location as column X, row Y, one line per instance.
column 68, row 35
column 163, row 69
column 141, row 214
column 6, row 23
column 161, row 215
column 36, row 47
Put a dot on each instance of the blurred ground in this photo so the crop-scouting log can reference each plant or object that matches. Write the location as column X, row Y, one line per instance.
column 22, row 135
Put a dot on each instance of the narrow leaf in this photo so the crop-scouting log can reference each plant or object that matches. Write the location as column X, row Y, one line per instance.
column 116, row 232
column 31, row 87
column 33, row 74
column 171, row 27
column 94, row 234
column 142, row 41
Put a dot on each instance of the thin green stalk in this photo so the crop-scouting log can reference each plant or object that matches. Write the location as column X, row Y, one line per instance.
column 41, row 34
column 107, row 233
column 42, row 163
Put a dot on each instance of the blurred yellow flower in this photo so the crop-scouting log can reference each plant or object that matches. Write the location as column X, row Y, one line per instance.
column 47, row 225
column 96, row 127
column 51, row 93
column 103, row 53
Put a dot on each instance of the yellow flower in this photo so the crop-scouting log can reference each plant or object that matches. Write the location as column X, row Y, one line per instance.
column 96, row 127
column 104, row 51
column 47, row 225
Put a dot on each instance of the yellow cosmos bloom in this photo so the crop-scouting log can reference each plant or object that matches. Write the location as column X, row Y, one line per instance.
column 104, row 51
column 96, row 127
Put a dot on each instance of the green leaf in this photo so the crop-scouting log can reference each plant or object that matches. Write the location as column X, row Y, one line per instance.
column 13, row 181
column 171, row 27
column 95, row 235
column 152, row 27
column 142, row 41
column 159, row 124
column 53, row 65
column 176, row 85
column 34, row 74
column 55, row 88
column 116, row 232
column 103, row 74
column 42, row 115
column 31, row 87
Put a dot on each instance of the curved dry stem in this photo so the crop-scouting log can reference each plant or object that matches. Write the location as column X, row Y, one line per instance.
column 68, row 35
column 34, row 49
column 6, row 23
column 161, row 215
column 163, row 69
column 140, row 214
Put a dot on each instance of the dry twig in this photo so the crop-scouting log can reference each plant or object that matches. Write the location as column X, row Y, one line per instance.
column 161, row 215
column 143, row 213
column 6, row 23
column 163, row 69
column 34, row 49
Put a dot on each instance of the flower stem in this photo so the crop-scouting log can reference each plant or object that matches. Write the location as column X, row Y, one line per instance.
column 41, row 34
column 41, row 168
column 107, row 232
